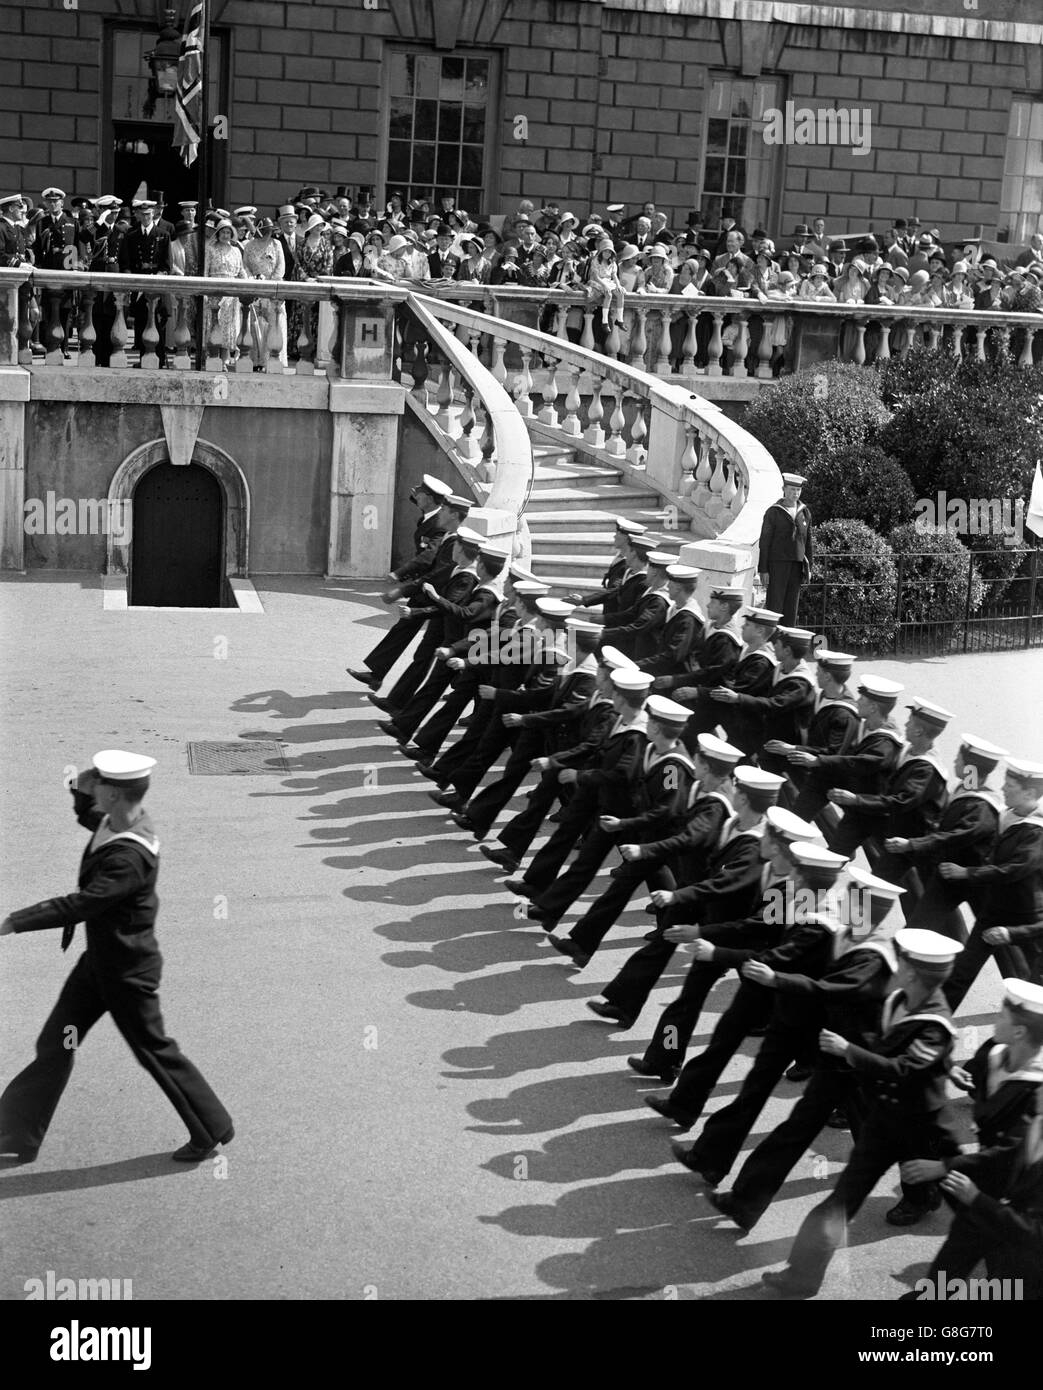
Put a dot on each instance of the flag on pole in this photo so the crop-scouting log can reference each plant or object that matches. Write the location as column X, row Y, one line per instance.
column 1034, row 515
column 188, row 100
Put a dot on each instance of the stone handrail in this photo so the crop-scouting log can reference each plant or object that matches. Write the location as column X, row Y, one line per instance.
column 714, row 475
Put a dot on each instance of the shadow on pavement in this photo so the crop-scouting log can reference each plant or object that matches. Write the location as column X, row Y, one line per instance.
column 159, row 1165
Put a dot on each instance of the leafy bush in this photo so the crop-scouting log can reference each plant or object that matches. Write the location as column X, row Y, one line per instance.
column 816, row 414
column 850, row 598
column 862, row 484
column 937, row 574
column 997, row 564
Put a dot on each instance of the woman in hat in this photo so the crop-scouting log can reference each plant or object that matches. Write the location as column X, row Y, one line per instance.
column 882, row 289
column 631, row 276
column 264, row 260
column 604, row 290
column 314, row 259
column 224, row 261
column 957, row 294
column 816, row 286
column 659, row 273
column 851, row 287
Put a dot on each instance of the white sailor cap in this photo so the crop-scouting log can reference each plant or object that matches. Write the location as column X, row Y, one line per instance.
column 469, row 537
column 631, row 528
column 115, row 765
column 755, row 779
column 679, row 571
column 879, row 688
column 979, row 748
column 660, row 558
column 11, row 198
column 140, row 203
column 554, row 607
column 920, row 944
column 797, row 634
column 810, row 855
column 764, row 616
column 583, row 625
column 666, row 711
column 435, row 486
column 461, row 504
column 531, row 588
column 734, row 595
column 520, row 575
column 930, row 713
column 246, row 212
column 614, row 659
column 109, row 200
column 1025, row 771
column 794, row 479
column 495, row 550
column 713, row 747
column 52, row 193
column 1023, row 995
column 615, row 207
column 789, row 827
column 870, row 883
column 644, row 545
column 632, row 680
column 189, row 203
column 839, row 660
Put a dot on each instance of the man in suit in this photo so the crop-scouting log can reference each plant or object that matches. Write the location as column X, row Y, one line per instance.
column 903, row 1077
column 786, row 549
column 119, row 973
column 288, row 236
column 145, row 250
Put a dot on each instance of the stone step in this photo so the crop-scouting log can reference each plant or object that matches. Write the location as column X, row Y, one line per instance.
column 598, row 522
column 617, row 496
column 553, row 474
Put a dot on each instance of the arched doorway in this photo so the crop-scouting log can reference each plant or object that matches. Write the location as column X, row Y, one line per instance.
column 177, row 541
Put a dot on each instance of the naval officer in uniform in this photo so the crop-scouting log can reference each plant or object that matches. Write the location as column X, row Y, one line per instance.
column 118, row 973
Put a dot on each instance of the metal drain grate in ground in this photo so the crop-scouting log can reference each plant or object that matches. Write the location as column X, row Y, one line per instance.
column 250, row 758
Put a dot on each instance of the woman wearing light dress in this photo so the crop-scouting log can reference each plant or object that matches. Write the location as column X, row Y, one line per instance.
column 314, row 259
column 224, row 261
column 264, row 260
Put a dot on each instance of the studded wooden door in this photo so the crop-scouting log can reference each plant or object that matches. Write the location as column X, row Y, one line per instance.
column 177, row 540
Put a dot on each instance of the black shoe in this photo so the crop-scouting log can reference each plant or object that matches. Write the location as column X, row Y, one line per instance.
column 662, row 1106
column 519, row 887
column 14, row 1153
column 502, row 857
column 463, row 820
column 908, row 1213
column 758, row 1032
column 366, row 677
column 566, row 947
column 798, row 1072
column 911, row 1296
column 390, row 728
column 727, row 1207
column 685, row 1155
column 452, row 800
column 429, row 771
column 411, row 751
column 654, row 935
column 381, row 702
column 838, row 1120
column 781, row 1281
column 610, row 1012
column 667, row 1075
column 198, row 1153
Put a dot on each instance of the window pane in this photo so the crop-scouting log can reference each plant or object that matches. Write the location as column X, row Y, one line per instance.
column 738, row 136
column 400, row 124
column 398, row 161
column 428, row 75
column 401, row 79
column 471, row 165
column 1034, row 159
column 452, row 84
column 717, row 136
column 736, row 177
column 474, row 124
column 1032, row 196
column 424, row 120
column 448, row 163
column 449, row 114
column 1036, row 121
column 423, row 163
column 714, row 180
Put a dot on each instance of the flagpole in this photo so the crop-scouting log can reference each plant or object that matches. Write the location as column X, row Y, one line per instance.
column 203, row 187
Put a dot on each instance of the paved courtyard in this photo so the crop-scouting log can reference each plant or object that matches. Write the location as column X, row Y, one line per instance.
column 423, row 1107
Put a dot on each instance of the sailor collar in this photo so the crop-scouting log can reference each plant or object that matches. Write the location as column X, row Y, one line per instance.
column 636, row 722
column 672, row 755
column 891, row 1003
column 908, row 756
column 149, row 842
column 802, row 671
column 765, row 651
column 697, row 794
column 1010, row 820
column 823, row 701
column 985, row 794
column 998, row 1076
column 888, row 730
column 587, row 666
column 730, row 831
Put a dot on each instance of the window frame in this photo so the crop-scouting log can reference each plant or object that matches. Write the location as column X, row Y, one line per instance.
column 1007, row 219
column 775, row 158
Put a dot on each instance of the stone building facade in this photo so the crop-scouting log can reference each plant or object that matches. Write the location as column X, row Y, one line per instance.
column 575, row 101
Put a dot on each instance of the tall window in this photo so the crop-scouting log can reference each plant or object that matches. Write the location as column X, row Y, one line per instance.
column 738, row 165
column 440, row 122
column 1021, row 196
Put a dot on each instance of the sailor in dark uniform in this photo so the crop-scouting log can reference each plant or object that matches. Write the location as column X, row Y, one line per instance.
column 54, row 248
column 786, row 708
column 834, row 725
column 752, row 674
column 965, row 835
column 906, row 1113
column 607, row 597
column 145, row 250
column 786, row 549
column 637, row 631
column 683, row 632
column 118, row 973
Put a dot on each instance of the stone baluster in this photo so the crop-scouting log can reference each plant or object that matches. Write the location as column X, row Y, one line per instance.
column 689, row 464
column 979, row 345
column 883, row 348
column 934, row 335
column 420, row 371
column 248, row 325
column 333, row 347
column 741, row 346
column 1025, row 357
column 305, row 345
column 702, row 473
column 612, row 343
column 150, row 336
column 637, row 454
column 638, row 338
column 87, row 334
column 573, row 401
column 182, row 355
column 715, row 347
column 549, row 414
column 691, row 341
column 561, row 314
column 54, row 333
column 523, row 386
column 271, row 355
column 121, row 335
column 587, row 336
column 215, row 350
column 1003, row 340
column 474, row 343
column 617, row 422
column 444, row 399
column 858, row 356
column 468, row 444
column 27, row 306
column 487, row 468
column 662, row 361
column 956, row 340
column 765, row 346
column 594, row 434
column 714, row 503
column 499, row 371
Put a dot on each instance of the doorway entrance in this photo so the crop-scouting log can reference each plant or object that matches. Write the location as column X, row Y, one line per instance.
column 177, row 544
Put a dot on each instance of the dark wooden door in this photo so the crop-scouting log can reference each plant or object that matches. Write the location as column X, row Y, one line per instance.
column 177, row 538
